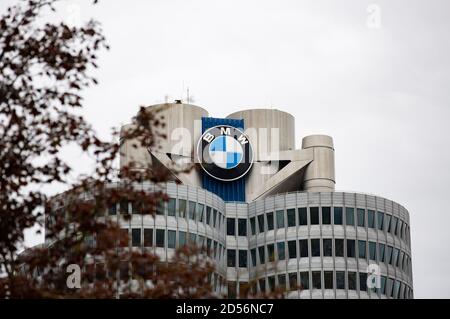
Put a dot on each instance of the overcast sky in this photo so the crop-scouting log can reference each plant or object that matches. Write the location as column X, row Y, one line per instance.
column 376, row 78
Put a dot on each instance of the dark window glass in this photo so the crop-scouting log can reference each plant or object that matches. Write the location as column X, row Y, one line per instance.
column 314, row 215
column 380, row 223
column 394, row 226
column 281, row 250
column 123, row 207
column 136, row 237
column 280, row 219
column 396, row 289
column 326, row 215
column 303, row 244
column 282, row 281
column 271, row 252
column 231, row 228
column 171, row 238
column 148, row 237
column 262, row 285
column 362, row 249
column 316, row 280
column 328, row 279
column 262, row 258
column 372, row 250
column 193, row 239
column 208, row 215
column 315, row 247
column 389, row 255
column 381, row 252
column 159, row 208
column 302, row 216
column 362, row 281
column 350, row 248
column 291, row 217
column 214, row 218
column 349, row 216
column 340, row 279
column 160, row 237
column 191, row 210
column 351, row 280
column 304, row 280
column 396, row 252
column 261, row 223
column 401, row 228
column 271, row 281
column 327, row 247
column 253, row 254
column 182, row 238
column 292, row 248
column 113, row 209
column 270, row 221
column 293, row 281
column 383, row 285
column 231, row 258
column 253, row 225
column 199, row 212
column 232, row 286
column 361, row 217
column 388, row 223
column 339, row 247
column 242, row 227
column 338, row 215
column 371, row 218
column 171, row 207
column 243, row 258
column 390, row 287
column 182, row 208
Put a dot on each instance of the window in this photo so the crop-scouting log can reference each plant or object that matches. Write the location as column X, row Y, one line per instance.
column 381, row 252
column 328, row 279
column 303, row 244
column 389, row 255
column 338, row 215
column 291, row 217
column 292, row 249
column 214, row 218
column 242, row 258
column 261, row 223
column 371, row 218
column 232, row 286
column 280, row 219
column 271, row 252
column 270, row 221
column 349, row 216
column 362, row 249
column 231, row 258
column 372, row 250
column 242, row 227
column 171, row 238
column 350, row 248
column 253, row 256
column 293, row 281
column 340, row 279
column 113, row 209
column 208, row 215
column 160, row 237
column 231, row 227
column 281, row 250
column 282, row 281
column 304, row 280
column 182, row 238
column 148, row 237
column 388, row 223
column 314, row 215
column 191, row 210
column 351, row 280
column 192, row 239
column 182, row 208
column 380, row 223
column 199, row 212
column 136, row 237
column 262, row 285
column 361, row 217
column 302, row 216
column 123, row 207
column 315, row 247
column 396, row 252
column 271, row 281
column 171, row 207
column 326, row 215
column 316, row 280
column 362, row 281
column 383, row 285
column 401, row 228
column 394, row 226
column 253, row 225
column 262, row 258
column 327, row 247
column 159, row 208
column 339, row 247
column 390, row 287
column 396, row 289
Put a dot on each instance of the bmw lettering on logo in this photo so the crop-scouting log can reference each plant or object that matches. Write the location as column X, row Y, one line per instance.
column 225, row 153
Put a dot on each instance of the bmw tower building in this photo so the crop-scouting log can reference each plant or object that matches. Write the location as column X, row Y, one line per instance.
column 268, row 212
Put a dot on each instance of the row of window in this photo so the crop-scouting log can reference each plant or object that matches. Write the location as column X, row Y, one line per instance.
column 321, row 247
column 327, row 280
column 186, row 209
column 320, row 215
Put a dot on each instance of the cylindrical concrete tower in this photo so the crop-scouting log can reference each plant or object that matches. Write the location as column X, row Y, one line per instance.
column 319, row 175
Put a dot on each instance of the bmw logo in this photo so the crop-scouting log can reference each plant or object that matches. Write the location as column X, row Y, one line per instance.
column 225, row 153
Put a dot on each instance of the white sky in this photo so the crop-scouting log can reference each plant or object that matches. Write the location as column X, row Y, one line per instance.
column 382, row 93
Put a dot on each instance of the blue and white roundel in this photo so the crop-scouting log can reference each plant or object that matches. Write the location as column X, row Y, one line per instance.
column 226, row 152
